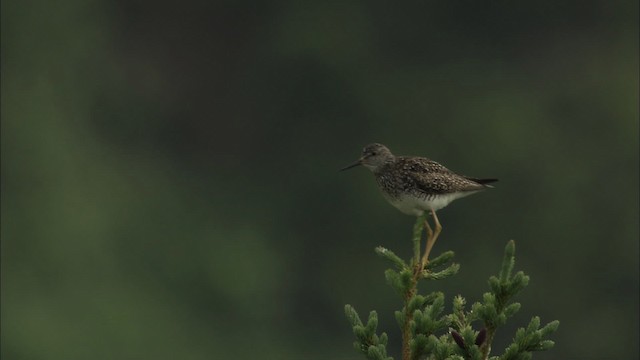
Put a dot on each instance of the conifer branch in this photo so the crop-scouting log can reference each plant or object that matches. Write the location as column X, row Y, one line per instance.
column 370, row 344
column 417, row 235
column 424, row 324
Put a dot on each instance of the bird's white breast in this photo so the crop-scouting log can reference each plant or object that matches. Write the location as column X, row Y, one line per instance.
column 413, row 205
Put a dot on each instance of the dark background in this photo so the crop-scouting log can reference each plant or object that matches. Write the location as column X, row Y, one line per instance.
column 170, row 186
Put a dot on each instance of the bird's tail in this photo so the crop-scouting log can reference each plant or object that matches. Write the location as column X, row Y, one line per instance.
column 483, row 181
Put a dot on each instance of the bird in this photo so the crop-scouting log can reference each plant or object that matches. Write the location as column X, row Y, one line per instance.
column 416, row 184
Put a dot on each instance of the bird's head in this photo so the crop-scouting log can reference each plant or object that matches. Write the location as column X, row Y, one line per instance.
column 373, row 157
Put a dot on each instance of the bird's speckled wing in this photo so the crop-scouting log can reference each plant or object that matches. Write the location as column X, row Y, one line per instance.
column 433, row 178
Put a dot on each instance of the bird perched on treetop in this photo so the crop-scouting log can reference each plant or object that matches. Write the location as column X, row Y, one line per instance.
column 415, row 184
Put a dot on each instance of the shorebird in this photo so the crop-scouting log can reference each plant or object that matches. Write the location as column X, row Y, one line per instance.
column 416, row 184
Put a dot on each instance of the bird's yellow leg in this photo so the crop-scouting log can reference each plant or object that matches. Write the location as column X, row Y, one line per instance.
column 428, row 229
column 432, row 236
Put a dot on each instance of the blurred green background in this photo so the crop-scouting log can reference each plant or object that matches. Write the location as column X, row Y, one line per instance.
column 170, row 186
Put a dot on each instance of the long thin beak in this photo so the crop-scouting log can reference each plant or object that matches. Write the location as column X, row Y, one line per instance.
column 358, row 162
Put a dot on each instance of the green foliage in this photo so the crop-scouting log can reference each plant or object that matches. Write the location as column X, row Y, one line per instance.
column 370, row 344
column 429, row 333
column 388, row 254
column 530, row 339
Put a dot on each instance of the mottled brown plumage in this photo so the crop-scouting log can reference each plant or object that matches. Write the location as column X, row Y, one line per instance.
column 416, row 184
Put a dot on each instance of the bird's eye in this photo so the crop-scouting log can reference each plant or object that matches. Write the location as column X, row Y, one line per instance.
column 373, row 153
